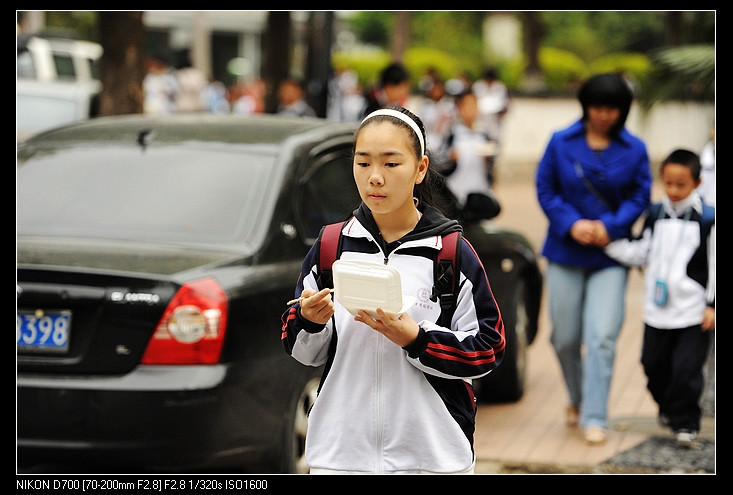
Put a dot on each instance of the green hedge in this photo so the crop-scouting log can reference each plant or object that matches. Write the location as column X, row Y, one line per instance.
column 562, row 70
column 369, row 63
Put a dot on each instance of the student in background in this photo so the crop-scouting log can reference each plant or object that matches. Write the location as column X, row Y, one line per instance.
column 191, row 82
column 493, row 102
column 291, row 99
column 436, row 108
column 160, row 86
column 468, row 153
column 677, row 251
column 215, row 97
column 707, row 175
column 393, row 89
column 248, row 97
column 345, row 98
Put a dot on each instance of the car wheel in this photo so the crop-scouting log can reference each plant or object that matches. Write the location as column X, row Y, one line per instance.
column 506, row 383
column 296, row 429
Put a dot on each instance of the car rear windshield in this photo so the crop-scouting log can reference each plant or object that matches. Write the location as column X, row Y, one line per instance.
column 185, row 194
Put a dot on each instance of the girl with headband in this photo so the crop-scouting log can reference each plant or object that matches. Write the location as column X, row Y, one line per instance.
column 396, row 394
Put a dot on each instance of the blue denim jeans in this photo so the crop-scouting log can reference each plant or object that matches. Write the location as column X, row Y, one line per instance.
column 587, row 311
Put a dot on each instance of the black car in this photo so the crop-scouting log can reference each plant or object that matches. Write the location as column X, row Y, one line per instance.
column 155, row 256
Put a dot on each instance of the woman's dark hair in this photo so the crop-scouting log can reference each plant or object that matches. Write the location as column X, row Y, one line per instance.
column 687, row 158
column 609, row 89
column 424, row 191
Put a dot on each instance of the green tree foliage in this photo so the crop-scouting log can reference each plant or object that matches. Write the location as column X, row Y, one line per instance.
column 596, row 33
column 372, row 27
column 562, row 68
column 681, row 73
column 573, row 45
column 366, row 63
column 79, row 24
column 455, row 33
column 420, row 59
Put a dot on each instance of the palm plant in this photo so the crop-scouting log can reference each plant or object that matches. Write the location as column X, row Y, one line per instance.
column 681, row 73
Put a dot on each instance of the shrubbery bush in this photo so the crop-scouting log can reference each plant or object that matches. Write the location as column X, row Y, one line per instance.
column 563, row 71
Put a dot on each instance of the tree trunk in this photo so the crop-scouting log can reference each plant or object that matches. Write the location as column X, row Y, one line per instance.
column 122, row 63
column 318, row 68
column 533, row 31
column 675, row 28
column 275, row 55
column 400, row 36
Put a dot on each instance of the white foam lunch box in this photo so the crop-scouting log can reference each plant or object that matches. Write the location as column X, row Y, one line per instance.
column 360, row 285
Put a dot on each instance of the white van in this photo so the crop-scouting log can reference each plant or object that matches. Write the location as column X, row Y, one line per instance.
column 57, row 83
column 57, row 59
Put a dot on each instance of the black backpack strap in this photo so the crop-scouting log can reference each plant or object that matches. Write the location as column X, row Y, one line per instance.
column 446, row 274
column 330, row 248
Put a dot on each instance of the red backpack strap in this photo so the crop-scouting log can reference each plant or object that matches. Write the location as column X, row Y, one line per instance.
column 330, row 247
column 446, row 274
column 329, row 250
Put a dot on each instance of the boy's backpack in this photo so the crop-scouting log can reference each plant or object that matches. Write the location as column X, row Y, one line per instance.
column 445, row 272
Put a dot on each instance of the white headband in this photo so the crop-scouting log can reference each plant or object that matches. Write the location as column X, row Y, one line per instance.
column 404, row 118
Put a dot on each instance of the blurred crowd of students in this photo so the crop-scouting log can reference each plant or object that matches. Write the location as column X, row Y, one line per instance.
column 434, row 101
column 462, row 117
column 187, row 89
column 171, row 90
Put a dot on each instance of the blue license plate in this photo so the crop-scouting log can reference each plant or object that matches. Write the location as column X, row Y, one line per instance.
column 43, row 331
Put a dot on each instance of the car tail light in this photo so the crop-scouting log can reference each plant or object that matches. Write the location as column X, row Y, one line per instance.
column 192, row 328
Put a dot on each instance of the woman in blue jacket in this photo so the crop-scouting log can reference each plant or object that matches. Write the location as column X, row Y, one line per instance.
column 593, row 182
